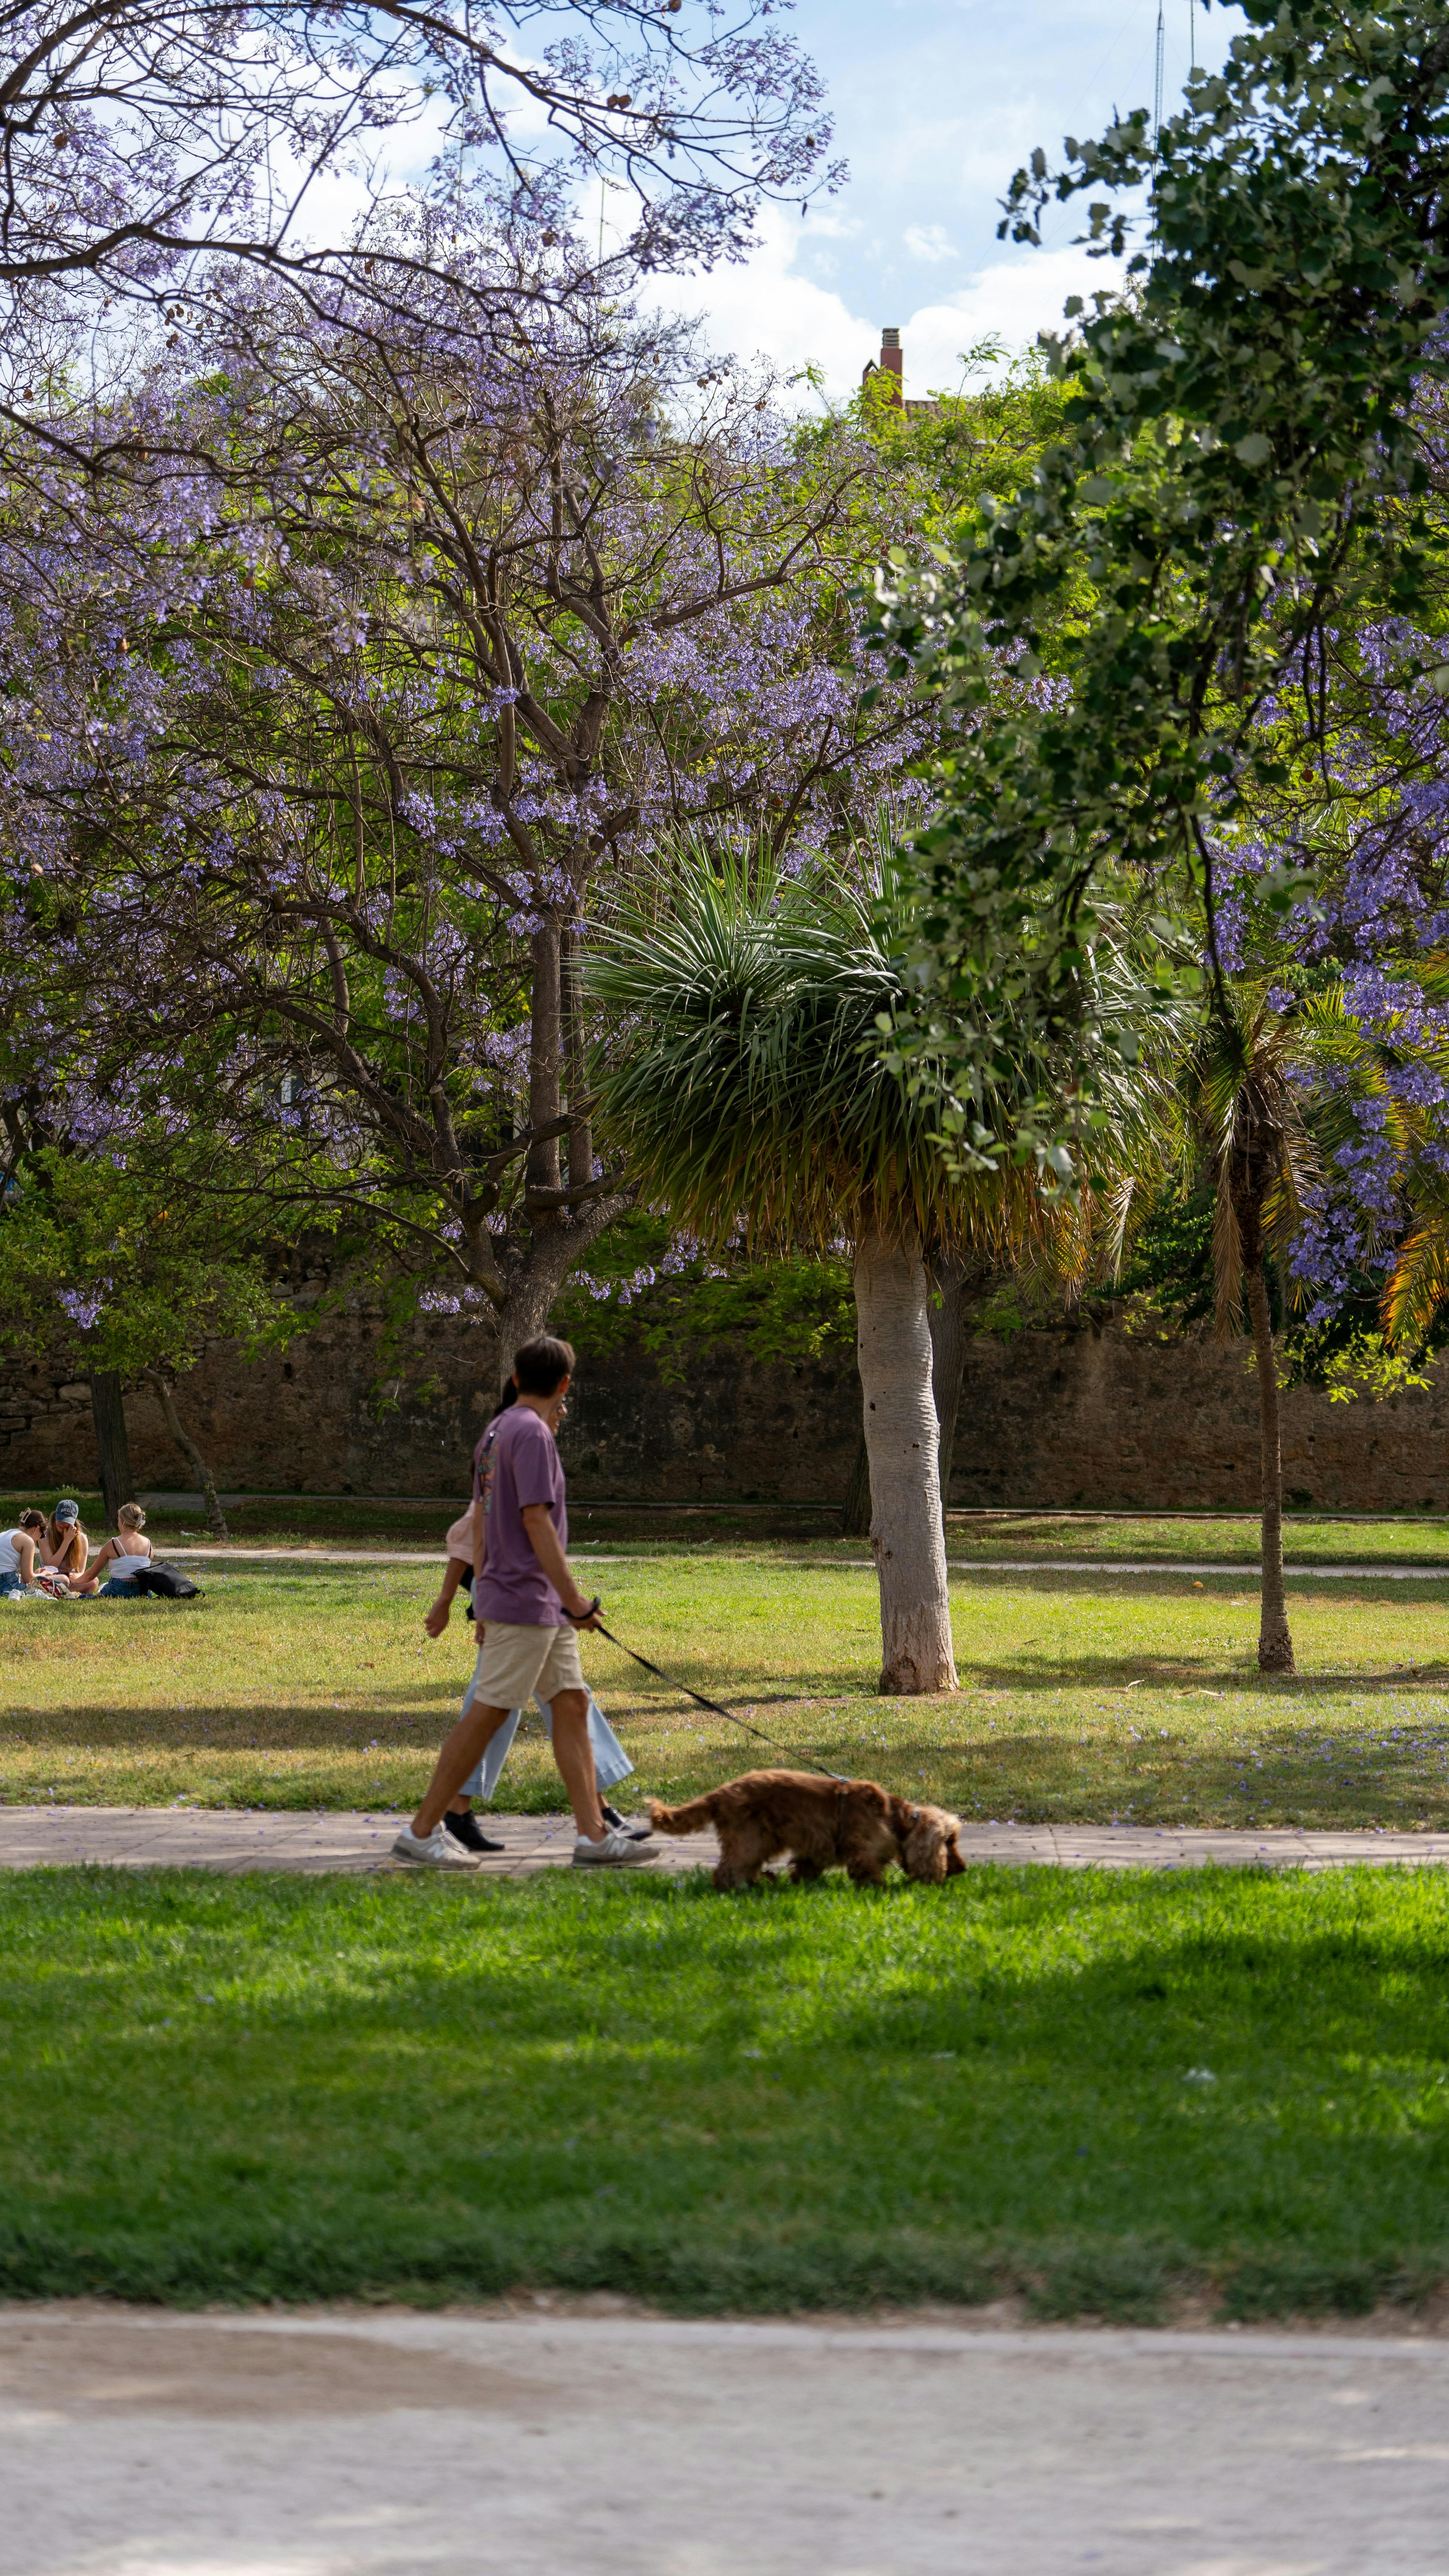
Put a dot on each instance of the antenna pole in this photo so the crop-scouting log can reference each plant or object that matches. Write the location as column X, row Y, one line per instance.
column 1159, row 78
column 1192, row 35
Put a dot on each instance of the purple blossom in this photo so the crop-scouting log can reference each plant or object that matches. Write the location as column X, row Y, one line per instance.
column 83, row 1305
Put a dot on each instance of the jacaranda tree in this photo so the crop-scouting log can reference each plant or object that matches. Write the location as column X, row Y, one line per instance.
column 340, row 738
column 142, row 138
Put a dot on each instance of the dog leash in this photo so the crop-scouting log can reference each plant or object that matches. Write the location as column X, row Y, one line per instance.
column 713, row 1705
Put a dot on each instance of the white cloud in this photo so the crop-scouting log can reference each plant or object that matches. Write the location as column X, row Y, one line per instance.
column 766, row 308
column 762, row 308
column 1012, row 301
column 929, row 242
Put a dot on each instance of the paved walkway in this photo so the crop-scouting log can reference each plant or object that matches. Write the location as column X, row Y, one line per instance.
column 544, row 2444
column 231, row 1839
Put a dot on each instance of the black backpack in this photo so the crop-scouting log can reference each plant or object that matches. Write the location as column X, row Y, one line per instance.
column 163, row 1583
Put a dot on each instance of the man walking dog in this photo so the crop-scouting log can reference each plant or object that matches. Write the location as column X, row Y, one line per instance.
column 529, row 1611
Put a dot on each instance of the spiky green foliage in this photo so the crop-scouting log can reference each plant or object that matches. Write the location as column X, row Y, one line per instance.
column 743, row 1074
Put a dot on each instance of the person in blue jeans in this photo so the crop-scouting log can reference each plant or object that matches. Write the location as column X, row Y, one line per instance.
column 17, row 1553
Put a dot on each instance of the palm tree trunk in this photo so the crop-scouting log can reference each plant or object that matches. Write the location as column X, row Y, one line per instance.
column 1275, row 1644
column 948, row 1359
column 893, row 1341
column 215, row 1516
column 113, row 1454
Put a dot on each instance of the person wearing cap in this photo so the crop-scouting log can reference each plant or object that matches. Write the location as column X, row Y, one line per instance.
column 64, row 1548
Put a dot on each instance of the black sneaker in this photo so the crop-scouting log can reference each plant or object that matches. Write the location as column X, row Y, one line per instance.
column 620, row 1824
column 470, row 1834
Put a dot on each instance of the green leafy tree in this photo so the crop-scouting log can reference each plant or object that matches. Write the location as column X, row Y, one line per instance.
column 1243, row 466
column 123, row 1264
column 650, row 1285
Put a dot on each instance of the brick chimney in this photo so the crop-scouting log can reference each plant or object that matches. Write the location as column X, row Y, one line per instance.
column 890, row 367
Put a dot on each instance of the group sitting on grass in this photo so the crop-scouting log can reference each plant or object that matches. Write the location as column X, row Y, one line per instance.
column 50, row 1559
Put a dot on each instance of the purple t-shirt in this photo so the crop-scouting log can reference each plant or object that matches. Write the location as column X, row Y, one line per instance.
column 516, row 1464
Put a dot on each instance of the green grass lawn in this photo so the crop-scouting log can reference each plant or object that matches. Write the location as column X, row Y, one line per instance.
column 1223, row 1538
column 1099, row 2090
column 1085, row 1697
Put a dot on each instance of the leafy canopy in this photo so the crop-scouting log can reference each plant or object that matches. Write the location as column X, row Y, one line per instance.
column 1240, row 467
column 133, row 1260
column 738, row 1070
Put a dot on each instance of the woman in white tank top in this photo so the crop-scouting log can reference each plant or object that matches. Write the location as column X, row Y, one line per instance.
column 121, row 1559
column 17, row 1554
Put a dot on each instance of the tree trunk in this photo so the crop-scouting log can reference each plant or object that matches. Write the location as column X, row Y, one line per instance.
column 581, row 1131
column 215, row 1516
column 948, row 1358
column 1275, row 1644
column 893, row 1341
column 526, row 1314
column 855, row 1510
column 113, row 1454
column 545, row 1055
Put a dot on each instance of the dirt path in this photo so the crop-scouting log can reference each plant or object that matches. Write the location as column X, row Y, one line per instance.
column 142, row 2444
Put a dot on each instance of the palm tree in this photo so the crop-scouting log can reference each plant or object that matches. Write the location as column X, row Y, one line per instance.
column 744, row 1076
column 1255, row 1109
column 1247, row 1119
column 1250, row 1114
column 951, row 1276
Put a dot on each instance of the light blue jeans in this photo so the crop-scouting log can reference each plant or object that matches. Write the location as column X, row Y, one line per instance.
column 611, row 1762
column 120, row 1587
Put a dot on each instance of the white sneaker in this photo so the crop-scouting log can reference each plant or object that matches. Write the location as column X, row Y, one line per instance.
column 614, row 1852
column 436, row 1850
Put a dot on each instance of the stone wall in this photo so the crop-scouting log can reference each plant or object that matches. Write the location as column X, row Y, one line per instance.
column 1048, row 1419
column 1101, row 1419
column 334, row 1417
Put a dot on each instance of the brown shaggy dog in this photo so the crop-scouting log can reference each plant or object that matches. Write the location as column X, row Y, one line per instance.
column 854, row 1824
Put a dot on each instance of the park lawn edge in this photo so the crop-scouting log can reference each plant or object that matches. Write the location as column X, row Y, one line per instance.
column 1115, row 2282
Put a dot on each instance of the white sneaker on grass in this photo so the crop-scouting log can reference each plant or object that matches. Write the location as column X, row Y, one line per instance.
column 436, row 1850
column 614, row 1852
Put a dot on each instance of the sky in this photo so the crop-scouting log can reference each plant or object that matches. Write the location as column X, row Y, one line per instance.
column 936, row 103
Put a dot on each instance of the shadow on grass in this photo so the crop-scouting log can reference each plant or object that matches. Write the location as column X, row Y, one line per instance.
column 1360, row 1585
column 1099, row 2092
column 1324, row 1777
column 1027, row 1672
column 1250, row 1767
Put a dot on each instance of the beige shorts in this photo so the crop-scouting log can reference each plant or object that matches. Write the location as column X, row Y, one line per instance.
column 513, row 1663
